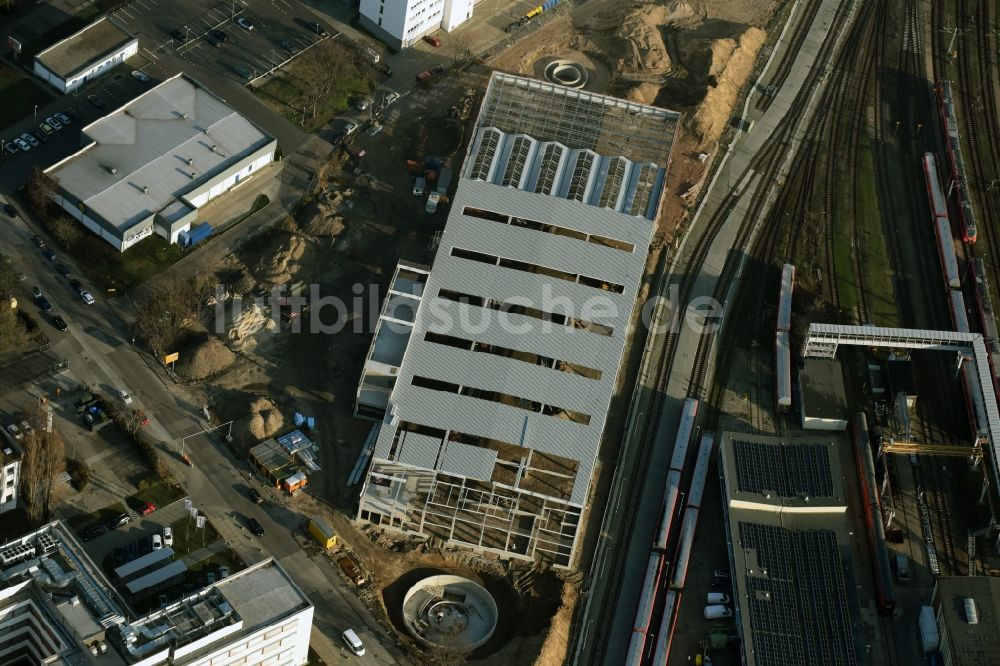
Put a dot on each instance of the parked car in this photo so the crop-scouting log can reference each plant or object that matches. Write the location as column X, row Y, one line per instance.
column 255, row 496
column 352, row 641
column 22, row 144
column 243, row 72
column 720, row 573
column 168, row 537
column 87, row 297
column 63, row 270
column 140, row 417
column 11, row 148
column 390, row 98
column 210, row 578
column 147, row 509
column 52, row 122
column 179, row 35
column 141, row 76
column 39, row 243
column 119, row 520
column 64, row 119
column 97, row 102
column 30, row 139
column 60, row 323
column 255, row 527
column 44, row 304
column 717, row 612
column 223, row 573
column 45, row 127
column 433, row 40
column 245, row 23
column 418, row 186
column 36, row 292
column 49, row 254
column 157, row 542
column 94, row 531
column 717, row 598
column 423, row 76
column 124, row 396
column 364, row 103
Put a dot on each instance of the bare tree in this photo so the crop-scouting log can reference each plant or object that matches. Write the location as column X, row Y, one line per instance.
column 65, row 231
column 13, row 334
column 7, row 5
column 323, row 71
column 161, row 318
column 460, row 46
column 43, row 463
column 40, row 189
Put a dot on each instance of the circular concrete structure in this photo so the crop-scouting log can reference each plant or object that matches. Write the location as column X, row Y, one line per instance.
column 567, row 73
column 450, row 611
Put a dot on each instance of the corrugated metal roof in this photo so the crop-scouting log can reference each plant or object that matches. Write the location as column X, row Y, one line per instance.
column 149, row 142
column 129, row 568
column 468, row 461
column 155, row 578
column 419, row 450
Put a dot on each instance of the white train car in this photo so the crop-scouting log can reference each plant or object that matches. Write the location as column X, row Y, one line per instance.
column 946, row 250
column 959, row 317
column 689, row 415
column 785, row 298
column 666, row 630
column 935, row 196
column 690, row 522
column 782, row 372
column 644, row 612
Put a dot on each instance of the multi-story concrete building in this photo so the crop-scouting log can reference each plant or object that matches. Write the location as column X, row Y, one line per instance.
column 152, row 164
column 401, row 23
column 56, row 607
column 492, row 374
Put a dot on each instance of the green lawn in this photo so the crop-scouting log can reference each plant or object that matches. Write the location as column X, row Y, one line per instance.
column 20, row 96
column 188, row 538
column 157, row 491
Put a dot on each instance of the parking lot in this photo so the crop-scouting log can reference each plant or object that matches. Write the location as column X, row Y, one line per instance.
column 240, row 39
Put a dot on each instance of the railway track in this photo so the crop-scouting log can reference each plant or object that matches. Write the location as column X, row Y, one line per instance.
column 766, row 164
column 788, row 58
column 931, row 490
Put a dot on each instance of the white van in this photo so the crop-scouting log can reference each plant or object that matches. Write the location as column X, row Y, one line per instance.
column 717, row 598
column 716, row 612
column 902, row 568
column 353, row 642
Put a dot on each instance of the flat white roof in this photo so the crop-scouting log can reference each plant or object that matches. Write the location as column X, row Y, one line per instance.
column 141, row 158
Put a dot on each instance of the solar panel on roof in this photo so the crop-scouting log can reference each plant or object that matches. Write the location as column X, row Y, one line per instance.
column 789, row 470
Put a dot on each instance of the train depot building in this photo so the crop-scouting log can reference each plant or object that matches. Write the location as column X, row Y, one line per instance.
column 488, row 438
column 789, row 549
column 152, row 164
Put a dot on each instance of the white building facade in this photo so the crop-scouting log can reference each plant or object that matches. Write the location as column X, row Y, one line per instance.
column 85, row 55
column 10, row 474
column 402, row 23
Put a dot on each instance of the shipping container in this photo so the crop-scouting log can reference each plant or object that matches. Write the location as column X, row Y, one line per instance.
column 322, row 532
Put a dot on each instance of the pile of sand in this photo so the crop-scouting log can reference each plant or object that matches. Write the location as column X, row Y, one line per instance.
column 284, row 263
column 247, row 325
column 716, row 109
column 206, row 359
column 556, row 646
column 265, row 419
column 643, row 52
column 644, row 93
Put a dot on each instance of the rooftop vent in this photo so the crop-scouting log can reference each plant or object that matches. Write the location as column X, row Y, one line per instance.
column 214, row 147
column 184, row 116
column 193, row 175
column 190, row 161
column 145, row 189
column 112, row 170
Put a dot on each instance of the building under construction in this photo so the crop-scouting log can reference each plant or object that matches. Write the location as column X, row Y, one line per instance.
column 493, row 413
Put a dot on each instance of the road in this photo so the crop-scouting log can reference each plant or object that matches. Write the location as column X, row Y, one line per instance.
column 98, row 348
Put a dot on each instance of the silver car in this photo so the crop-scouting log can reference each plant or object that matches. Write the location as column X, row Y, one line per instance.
column 30, row 139
column 22, row 144
column 54, row 123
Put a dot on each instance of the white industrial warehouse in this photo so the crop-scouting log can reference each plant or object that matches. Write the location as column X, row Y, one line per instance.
column 494, row 378
column 152, row 164
column 85, row 55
